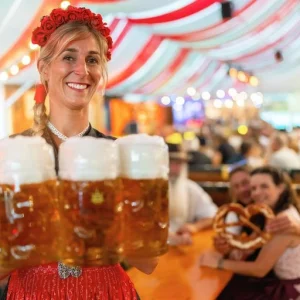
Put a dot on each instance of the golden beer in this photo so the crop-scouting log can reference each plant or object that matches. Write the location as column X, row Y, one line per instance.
column 91, row 200
column 144, row 171
column 30, row 225
column 31, row 231
column 146, row 217
column 94, row 211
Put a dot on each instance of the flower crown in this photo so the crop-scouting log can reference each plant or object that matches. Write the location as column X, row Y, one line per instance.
column 59, row 16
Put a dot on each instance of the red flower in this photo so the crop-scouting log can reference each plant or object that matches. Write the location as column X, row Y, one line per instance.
column 86, row 15
column 108, row 55
column 97, row 22
column 105, row 31
column 73, row 16
column 38, row 37
column 58, row 17
column 48, row 25
column 109, row 42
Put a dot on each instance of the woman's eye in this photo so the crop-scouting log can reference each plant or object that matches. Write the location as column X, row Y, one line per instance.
column 93, row 60
column 68, row 58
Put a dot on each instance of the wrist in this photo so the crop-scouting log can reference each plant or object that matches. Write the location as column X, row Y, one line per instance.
column 220, row 265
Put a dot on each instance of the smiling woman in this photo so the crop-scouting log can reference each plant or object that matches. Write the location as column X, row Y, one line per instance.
column 273, row 271
column 74, row 57
column 75, row 47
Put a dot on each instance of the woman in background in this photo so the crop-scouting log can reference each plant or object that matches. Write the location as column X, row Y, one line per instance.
column 280, row 255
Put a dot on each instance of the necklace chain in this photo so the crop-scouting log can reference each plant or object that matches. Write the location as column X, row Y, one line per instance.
column 61, row 136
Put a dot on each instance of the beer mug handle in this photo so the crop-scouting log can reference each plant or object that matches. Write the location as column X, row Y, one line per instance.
column 9, row 207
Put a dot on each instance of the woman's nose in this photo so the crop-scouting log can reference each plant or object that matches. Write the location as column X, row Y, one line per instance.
column 81, row 68
column 255, row 193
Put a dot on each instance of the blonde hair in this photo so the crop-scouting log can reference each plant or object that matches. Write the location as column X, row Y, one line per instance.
column 72, row 31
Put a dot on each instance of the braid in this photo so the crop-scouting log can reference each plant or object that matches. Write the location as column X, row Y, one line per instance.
column 40, row 119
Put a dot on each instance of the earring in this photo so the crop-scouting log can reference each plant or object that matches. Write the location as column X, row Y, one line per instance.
column 40, row 94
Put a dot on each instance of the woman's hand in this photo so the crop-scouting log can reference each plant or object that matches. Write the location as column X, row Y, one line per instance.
column 188, row 228
column 238, row 254
column 177, row 239
column 146, row 265
column 283, row 223
column 210, row 259
column 222, row 245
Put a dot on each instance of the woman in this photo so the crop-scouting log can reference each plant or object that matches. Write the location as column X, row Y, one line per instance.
column 281, row 254
column 75, row 47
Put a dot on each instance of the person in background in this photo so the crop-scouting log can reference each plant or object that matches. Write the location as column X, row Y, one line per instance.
column 274, row 272
column 281, row 156
column 207, row 149
column 250, row 152
column 191, row 208
column 225, row 150
column 198, row 157
column 240, row 192
column 293, row 142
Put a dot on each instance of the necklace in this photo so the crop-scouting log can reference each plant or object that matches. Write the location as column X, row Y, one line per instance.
column 62, row 136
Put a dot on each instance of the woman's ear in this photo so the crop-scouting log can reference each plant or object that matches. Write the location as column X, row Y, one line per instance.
column 43, row 70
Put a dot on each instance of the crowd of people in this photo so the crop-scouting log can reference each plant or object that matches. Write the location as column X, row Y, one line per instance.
column 270, row 272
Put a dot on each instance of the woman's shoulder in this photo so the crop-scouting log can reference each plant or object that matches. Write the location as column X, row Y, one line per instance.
column 290, row 211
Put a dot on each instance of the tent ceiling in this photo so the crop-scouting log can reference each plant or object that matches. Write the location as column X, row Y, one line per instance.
column 165, row 46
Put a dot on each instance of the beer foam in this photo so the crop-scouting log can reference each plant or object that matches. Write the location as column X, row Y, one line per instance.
column 25, row 160
column 88, row 159
column 143, row 157
column 141, row 138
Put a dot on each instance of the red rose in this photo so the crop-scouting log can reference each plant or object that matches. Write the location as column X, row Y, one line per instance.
column 105, row 31
column 72, row 9
column 39, row 37
column 109, row 42
column 48, row 24
column 73, row 16
column 86, row 15
column 58, row 16
column 82, row 10
column 108, row 55
column 96, row 21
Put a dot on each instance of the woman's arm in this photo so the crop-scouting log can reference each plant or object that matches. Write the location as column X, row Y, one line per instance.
column 284, row 224
column 265, row 261
column 145, row 265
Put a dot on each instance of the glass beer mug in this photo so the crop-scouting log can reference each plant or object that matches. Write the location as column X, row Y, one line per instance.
column 29, row 217
column 90, row 197
column 144, row 172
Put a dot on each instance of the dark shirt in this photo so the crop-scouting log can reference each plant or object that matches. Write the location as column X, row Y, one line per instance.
column 227, row 152
column 198, row 159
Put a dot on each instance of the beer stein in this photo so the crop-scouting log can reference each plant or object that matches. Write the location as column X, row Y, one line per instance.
column 29, row 217
column 144, row 171
column 90, row 198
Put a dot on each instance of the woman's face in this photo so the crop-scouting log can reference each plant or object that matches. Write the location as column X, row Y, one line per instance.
column 264, row 190
column 74, row 76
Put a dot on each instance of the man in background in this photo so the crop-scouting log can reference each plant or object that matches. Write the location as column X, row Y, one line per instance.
column 191, row 208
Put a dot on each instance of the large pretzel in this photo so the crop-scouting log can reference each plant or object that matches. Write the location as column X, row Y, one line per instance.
column 242, row 241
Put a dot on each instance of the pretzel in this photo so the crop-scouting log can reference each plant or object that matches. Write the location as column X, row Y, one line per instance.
column 242, row 241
